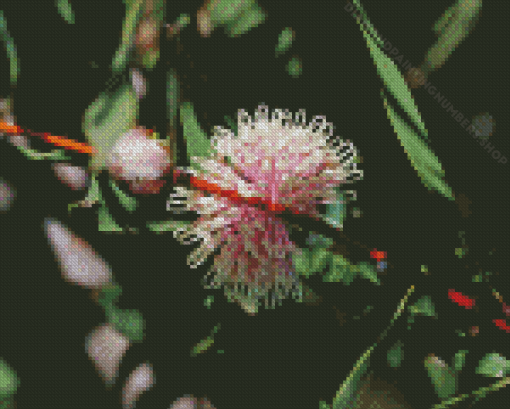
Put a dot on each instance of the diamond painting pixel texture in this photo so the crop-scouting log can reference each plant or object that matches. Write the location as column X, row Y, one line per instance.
column 276, row 159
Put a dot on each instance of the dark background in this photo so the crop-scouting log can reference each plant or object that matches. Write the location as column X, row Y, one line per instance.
column 295, row 355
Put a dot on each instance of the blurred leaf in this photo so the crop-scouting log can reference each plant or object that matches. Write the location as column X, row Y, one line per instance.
column 284, row 41
column 133, row 13
column 459, row 360
column 294, row 67
column 493, row 365
column 12, row 53
column 65, row 11
column 127, row 202
column 396, row 354
column 423, row 160
column 129, row 322
column 249, row 18
column 172, row 97
column 9, row 381
column 442, row 377
column 107, row 119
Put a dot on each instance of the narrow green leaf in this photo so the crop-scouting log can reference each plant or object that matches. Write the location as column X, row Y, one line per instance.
column 127, row 202
column 493, row 365
column 12, row 53
column 392, row 77
column 197, row 143
column 205, row 344
column 107, row 119
column 319, row 241
column 65, row 11
column 423, row 160
column 442, row 377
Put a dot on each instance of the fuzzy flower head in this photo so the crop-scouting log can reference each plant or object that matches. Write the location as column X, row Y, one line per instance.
column 280, row 161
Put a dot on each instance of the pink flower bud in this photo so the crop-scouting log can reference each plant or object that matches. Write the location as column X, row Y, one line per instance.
column 73, row 176
column 140, row 161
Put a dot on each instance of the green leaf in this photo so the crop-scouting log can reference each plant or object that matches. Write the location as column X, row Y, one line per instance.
column 295, row 67
column 107, row 119
column 423, row 306
column 127, row 202
column 390, row 74
column 459, row 360
column 93, row 194
column 134, row 12
column 65, row 11
column 319, row 259
column 493, row 365
column 395, row 354
column 12, row 53
column 197, row 143
column 205, row 344
column 250, row 18
column 9, row 381
column 423, row 160
column 301, row 262
column 106, row 222
column 347, row 393
column 129, row 322
column 442, row 377
column 284, row 41
column 368, row 271
column 109, row 295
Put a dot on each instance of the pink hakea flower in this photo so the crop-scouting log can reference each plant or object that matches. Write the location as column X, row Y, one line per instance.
column 279, row 162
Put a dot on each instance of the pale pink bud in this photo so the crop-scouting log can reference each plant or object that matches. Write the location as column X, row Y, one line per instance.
column 140, row 161
column 73, row 176
column 140, row 380
column 78, row 261
column 105, row 347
